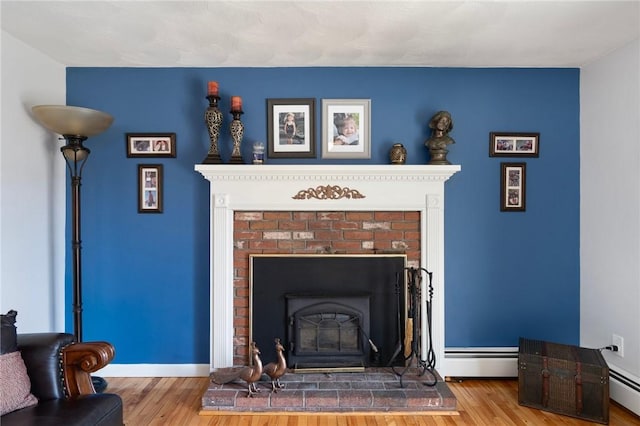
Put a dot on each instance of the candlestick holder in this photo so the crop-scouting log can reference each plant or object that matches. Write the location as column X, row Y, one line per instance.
column 237, row 131
column 213, row 118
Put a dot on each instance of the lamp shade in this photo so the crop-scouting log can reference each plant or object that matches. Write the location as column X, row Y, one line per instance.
column 72, row 120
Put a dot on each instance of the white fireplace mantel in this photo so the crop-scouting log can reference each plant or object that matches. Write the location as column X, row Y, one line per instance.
column 323, row 188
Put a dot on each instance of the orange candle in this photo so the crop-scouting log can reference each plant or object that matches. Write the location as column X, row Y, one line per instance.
column 236, row 103
column 213, row 88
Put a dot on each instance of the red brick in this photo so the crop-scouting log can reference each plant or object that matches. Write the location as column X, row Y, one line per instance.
column 359, row 216
column 388, row 216
column 330, row 215
column 264, row 225
column 358, row 235
column 346, row 245
column 291, row 225
column 347, row 225
column 412, row 216
column 304, row 216
column 270, row 215
column 240, row 225
column 405, row 225
column 388, row 235
column 410, row 235
column 328, row 235
column 315, row 224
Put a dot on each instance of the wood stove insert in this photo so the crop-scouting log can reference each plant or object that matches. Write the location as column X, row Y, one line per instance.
column 342, row 301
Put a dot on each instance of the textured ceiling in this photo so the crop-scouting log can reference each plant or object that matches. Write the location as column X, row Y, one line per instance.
column 323, row 33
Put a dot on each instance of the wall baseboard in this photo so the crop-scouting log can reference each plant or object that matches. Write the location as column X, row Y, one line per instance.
column 154, row 370
column 480, row 362
column 624, row 388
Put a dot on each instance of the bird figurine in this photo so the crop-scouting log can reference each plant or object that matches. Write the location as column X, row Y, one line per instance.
column 275, row 370
column 250, row 374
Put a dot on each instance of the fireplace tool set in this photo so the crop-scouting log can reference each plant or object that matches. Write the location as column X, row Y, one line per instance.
column 410, row 349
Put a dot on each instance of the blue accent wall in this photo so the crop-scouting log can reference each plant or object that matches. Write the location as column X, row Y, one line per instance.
column 146, row 276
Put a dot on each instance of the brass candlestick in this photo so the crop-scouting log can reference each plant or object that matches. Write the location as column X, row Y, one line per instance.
column 213, row 119
column 237, row 131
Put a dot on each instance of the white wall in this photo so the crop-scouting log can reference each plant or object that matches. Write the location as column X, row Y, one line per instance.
column 610, row 212
column 32, row 191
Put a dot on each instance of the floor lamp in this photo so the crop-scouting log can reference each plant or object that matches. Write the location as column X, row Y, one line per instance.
column 75, row 124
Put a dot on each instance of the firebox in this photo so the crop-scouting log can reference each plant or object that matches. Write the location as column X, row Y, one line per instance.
column 344, row 301
column 328, row 331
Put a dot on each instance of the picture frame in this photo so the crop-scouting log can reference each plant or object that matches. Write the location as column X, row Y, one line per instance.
column 504, row 144
column 150, row 188
column 513, row 177
column 151, row 145
column 291, row 128
column 355, row 141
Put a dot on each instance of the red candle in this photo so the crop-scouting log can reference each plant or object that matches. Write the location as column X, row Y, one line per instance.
column 213, row 88
column 236, row 103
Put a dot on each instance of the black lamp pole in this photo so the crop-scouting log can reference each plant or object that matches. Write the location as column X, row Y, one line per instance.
column 75, row 155
column 75, row 124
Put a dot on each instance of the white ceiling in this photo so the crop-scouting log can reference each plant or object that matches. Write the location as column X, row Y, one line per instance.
column 323, row 33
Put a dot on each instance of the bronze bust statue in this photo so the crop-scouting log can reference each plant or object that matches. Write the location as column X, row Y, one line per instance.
column 440, row 124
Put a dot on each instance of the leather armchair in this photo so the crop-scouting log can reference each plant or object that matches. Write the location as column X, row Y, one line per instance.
column 60, row 373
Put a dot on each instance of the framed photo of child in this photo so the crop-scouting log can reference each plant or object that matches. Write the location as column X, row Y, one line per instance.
column 291, row 128
column 346, row 128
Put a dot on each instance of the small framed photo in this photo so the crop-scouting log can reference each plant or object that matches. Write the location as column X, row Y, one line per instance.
column 513, row 187
column 149, row 188
column 346, row 128
column 514, row 144
column 151, row 144
column 291, row 128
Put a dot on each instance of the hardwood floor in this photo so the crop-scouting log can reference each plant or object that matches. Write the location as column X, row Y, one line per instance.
column 176, row 401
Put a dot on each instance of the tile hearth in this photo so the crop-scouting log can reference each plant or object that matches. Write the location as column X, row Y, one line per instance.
column 374, row 390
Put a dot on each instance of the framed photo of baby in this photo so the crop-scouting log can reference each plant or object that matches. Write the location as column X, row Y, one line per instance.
column 513, row 187
column 346, row 128
column 291, row 128
column 151, row 144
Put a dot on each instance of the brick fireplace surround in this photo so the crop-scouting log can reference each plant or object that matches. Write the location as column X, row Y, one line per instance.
column 312, row 209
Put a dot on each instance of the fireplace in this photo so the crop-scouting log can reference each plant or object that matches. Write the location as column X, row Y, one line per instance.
column 330, row 310
column 327, row 331
column 236, row 188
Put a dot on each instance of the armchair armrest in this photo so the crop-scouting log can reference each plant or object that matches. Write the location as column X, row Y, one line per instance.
column 79, row 360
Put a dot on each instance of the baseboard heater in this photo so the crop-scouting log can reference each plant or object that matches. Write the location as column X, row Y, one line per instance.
column 631, row 384
column 481, row 362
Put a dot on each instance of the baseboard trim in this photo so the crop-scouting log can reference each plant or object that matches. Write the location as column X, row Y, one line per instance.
column 154, row 370
column 480, row 362
column 624, row 388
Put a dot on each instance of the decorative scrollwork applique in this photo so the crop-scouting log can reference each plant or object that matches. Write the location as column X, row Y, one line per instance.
column 328, row 192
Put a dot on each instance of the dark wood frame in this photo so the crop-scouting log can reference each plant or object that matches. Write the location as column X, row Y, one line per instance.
column 509, row 187
column 143, row 188
column 151, row 140
column 517, row 140
column 276, row 107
